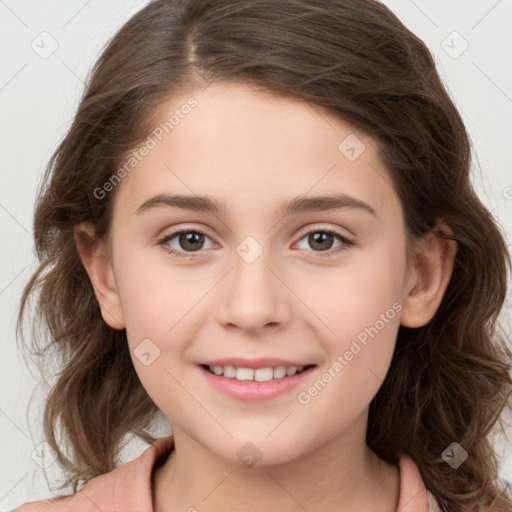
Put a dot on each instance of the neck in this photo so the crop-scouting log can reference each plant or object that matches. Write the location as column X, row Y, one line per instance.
column 341, row 470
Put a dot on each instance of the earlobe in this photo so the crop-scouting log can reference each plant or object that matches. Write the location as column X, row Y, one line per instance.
column 433, row 267
column 95, row 258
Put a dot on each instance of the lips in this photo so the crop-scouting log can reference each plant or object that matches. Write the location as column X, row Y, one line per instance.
column 256, row 379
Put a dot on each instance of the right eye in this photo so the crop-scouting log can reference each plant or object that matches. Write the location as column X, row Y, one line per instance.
column 184, row 242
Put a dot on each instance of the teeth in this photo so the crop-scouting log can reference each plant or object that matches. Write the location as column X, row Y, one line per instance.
column 259, row 375
column 244, row 374
column 263, row 374
column 229, row 372
column 279, row 372
column 291, row 370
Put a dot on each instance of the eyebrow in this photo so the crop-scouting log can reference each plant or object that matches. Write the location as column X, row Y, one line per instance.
column 295, row 205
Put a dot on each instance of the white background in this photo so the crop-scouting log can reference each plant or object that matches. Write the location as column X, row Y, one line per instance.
column 38, row 98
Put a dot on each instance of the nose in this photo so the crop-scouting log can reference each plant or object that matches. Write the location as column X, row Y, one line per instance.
column 254, row 296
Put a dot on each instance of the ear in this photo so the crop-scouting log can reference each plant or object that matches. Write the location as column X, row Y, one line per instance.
column 95, row 258
column 429, row 276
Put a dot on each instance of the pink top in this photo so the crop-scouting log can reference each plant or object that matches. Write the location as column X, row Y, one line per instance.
column 128, row 488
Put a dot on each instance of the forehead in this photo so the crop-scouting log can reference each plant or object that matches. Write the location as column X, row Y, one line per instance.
column 249, row 147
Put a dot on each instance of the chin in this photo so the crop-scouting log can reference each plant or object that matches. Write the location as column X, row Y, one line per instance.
column 257, row 450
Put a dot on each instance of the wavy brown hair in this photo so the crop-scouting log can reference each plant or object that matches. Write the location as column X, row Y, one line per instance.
column 448, row 381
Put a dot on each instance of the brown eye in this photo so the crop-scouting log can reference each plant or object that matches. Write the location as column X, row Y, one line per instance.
column 322, row 241
column 191, row 240
column 186, row 242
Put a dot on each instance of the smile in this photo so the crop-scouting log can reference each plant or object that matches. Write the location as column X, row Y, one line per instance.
column 258, row 375
column 255, row 380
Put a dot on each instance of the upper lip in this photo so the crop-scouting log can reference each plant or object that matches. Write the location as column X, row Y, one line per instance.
column 264, row 362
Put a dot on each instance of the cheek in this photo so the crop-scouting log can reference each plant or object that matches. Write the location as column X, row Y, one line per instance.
column 359, row 306
column 158, row 304
column 155, row 296
column 371, row 302
column 359, row 354
column 356, row 295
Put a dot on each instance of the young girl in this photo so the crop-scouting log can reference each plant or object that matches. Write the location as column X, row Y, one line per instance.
column 261, row 224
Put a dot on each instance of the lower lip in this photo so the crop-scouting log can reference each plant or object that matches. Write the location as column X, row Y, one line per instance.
column 249, row 390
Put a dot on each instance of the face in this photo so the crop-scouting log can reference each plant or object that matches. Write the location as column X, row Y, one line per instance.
column 285, row 252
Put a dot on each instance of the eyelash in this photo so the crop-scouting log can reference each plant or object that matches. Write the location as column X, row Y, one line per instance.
column 346, row 243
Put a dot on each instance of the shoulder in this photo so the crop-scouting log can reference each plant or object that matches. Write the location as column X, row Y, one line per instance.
column 414, row 496
column 127, row 488
column 45, row 505
column 433, row 506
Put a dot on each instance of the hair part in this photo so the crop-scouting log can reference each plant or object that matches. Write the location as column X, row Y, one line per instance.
column 448, row 381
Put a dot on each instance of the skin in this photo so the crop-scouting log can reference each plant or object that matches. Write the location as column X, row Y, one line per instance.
column 251, row 150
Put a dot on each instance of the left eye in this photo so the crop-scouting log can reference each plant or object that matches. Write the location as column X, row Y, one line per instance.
column 322, row 240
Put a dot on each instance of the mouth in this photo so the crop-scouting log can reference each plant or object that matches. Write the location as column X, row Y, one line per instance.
column 255, row 380
column 264, row 374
